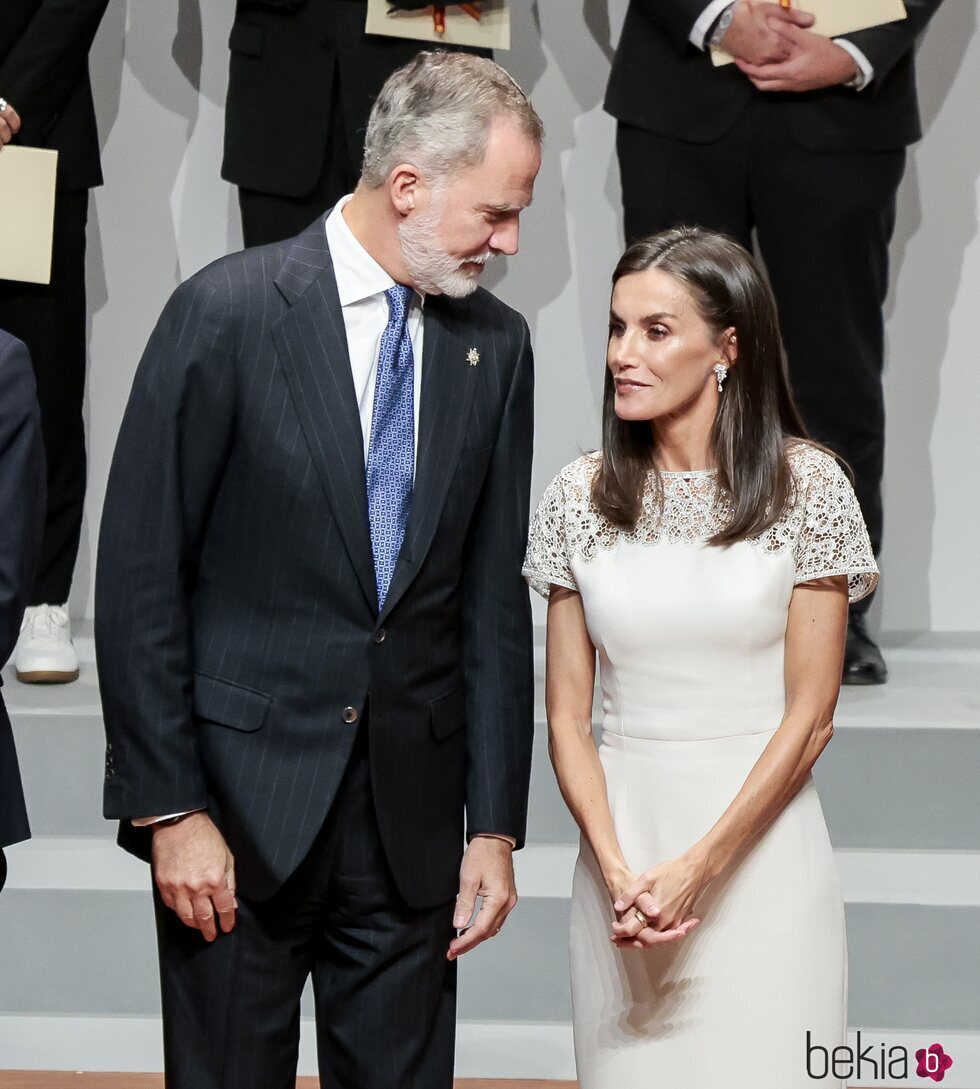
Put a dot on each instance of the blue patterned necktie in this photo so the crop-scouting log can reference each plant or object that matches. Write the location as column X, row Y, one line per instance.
column 391, row 453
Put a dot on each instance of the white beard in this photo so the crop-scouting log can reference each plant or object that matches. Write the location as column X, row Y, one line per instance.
column 434, row 271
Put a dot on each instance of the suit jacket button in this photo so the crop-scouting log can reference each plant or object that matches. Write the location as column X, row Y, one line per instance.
column 350, row 715
column 379, row 635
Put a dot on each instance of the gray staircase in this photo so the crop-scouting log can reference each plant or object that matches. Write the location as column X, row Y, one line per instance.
column 78, row 986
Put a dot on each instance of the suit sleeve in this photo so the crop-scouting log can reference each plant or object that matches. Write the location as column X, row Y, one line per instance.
column 22, row 488
column 676, row 18
column 497, row 640
column 166, row 469
column 39, row 73
column 885, row 45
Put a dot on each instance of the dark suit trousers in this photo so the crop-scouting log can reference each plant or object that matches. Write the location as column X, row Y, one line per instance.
column 823, row 222
column 385, row 994
column 50, row 320
column 268, row 217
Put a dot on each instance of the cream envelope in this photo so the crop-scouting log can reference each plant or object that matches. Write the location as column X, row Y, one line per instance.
column 836, row 17
column 27, row 180
column 491, row 32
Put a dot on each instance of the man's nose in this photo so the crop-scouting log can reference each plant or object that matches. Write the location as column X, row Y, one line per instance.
column 506, row 237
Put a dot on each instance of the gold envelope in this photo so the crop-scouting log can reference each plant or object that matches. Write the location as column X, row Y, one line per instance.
column 27, row 180
column 491, row 32
column 836, row 17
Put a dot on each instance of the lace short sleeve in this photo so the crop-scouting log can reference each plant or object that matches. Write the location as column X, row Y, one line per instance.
column 833, row 538
column 548, row 549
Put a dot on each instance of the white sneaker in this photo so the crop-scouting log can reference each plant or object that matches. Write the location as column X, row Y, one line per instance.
column 45, row 654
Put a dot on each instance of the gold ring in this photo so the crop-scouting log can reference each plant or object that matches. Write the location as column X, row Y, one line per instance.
column 642, row 918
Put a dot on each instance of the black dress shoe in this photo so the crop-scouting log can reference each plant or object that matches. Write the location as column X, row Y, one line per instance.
column 863, row 663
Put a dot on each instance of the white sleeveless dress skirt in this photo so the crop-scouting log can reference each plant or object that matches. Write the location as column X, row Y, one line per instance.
column 690, row 640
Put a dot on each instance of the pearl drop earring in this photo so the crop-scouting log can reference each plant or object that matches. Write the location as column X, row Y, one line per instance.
column 721, row 373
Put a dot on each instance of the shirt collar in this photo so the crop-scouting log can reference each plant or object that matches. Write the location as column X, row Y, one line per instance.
column 358, row 275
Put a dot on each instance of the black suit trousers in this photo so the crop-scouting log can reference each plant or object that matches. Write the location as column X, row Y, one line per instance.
column 384, row 992
column 50, row 320
column 821, row 222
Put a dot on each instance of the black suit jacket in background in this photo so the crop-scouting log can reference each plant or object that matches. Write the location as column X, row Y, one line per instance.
column 236, row 608
column 21, row 521
column 289, row 59
column 662, row 83
column 44, row 47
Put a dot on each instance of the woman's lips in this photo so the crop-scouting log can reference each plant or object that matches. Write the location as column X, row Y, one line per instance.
column 626, row 385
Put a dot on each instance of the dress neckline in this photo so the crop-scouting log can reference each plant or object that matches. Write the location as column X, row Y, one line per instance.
column 686, row 473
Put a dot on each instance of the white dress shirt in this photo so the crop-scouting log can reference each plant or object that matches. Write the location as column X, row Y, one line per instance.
column 361, row 285
column 699, row 33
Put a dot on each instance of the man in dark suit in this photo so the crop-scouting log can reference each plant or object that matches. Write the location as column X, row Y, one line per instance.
column 314, row 643
column 21, row 522
column 302, row 79
column 44, row 83
column 801, row 142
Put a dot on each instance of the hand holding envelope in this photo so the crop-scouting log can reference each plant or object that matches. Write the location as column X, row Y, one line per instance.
column 9, row 122
column 833, row 18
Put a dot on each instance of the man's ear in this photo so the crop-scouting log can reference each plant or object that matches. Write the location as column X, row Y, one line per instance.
column 403, row 185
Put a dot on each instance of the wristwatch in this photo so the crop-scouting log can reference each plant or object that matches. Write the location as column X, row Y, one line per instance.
column 722, row 23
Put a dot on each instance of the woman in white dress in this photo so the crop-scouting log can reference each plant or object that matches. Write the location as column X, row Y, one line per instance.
column 706, row 556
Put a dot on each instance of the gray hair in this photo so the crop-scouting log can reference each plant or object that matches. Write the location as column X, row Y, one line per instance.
column 435, row 112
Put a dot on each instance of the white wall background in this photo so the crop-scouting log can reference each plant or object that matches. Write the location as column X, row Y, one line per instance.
column 159, row 71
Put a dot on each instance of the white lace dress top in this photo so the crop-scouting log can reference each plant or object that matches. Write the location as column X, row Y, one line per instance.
column 824, row 532
column 690, row 635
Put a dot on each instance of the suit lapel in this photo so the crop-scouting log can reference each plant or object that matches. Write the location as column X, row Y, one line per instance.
column 448, row 383
column 312, row 345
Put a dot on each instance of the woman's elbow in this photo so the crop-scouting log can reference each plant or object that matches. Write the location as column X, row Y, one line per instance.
column 822, row 732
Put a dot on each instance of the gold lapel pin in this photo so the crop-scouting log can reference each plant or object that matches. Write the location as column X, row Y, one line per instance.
column 473, row 357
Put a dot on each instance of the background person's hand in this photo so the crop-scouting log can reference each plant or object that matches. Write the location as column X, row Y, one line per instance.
column 195, row 873
column 487, row 872
column 815, row 62
column 9, row 124
column 758, row 32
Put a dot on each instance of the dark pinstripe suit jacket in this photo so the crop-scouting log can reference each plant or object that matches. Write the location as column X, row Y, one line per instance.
column 237, row 616
column 22, row 488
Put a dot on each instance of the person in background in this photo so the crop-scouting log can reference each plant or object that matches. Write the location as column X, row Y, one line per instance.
column 305, row 75
column 800, row 144
column 46, row 102
column 314, row 642
column 21, row 524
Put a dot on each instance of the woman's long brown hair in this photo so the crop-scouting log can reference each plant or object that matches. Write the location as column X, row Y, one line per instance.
column 757, row 417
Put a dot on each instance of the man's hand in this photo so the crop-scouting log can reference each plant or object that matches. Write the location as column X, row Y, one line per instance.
column 195, row 873
column 758, row 32
column 815, row 62
column 9, row 124
column 487, row 871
